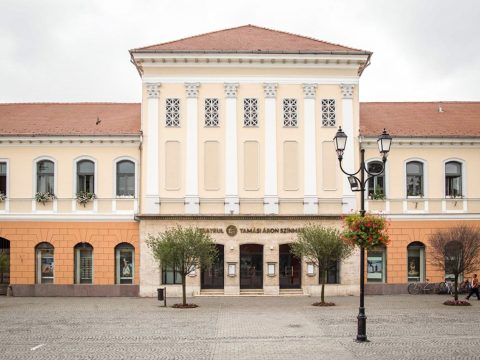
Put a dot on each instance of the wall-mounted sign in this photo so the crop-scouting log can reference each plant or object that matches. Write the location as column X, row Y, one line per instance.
column 231, row 230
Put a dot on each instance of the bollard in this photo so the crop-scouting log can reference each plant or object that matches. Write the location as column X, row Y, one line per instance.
column 162, row 295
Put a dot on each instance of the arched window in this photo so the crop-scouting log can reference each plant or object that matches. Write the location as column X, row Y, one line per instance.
column 377, row 265
column 86, row 176
column 416, row 262
column 376, row 185
column 46, row 176
column 4, row 262
column 125, row 178
column 83, row 263
column 124, row 263
column 45, row 263
column 414, row 178
column 453, row 179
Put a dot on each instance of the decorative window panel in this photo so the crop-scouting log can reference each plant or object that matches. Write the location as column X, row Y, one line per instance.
column 172, row 112
column 250, row 112
column 290, row 115
column 328, row 112
column 211, row 112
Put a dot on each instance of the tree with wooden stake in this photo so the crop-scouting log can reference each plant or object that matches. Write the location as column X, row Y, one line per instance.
column 183, row 249
column 323, row 247
column 456, row 250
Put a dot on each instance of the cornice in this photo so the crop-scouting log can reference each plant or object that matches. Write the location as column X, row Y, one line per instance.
column 236, row 217
column 69, row 139
column 369, row 142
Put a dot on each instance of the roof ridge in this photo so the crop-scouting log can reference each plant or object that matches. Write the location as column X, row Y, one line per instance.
column 252, row 26
column 190, row 37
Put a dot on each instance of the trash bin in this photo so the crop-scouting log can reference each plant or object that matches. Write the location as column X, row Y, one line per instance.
column 161, row 294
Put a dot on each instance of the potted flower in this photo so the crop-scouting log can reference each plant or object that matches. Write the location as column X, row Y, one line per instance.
column 367, row 231
column 378, row 194
column 2, row 196
column 43, row 197
column 83, row 197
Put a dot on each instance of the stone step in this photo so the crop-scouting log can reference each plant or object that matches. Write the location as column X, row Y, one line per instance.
column 211, row 292
column 251, row 292
column 292, row 292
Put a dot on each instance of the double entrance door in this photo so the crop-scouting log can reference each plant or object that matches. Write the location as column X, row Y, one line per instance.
column 213, row 278
column 290, row 269
column 251, row 266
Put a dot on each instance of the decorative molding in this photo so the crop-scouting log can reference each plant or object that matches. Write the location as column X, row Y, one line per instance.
column 259, row 217
column 347, row 90
column 153, row 90
column 231, row 90
column 270, row 90
column 192, row 89
column 309, row 90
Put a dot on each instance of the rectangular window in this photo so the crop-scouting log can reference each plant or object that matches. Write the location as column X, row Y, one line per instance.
column 211, row 112
column 414, row 178
column 332, row 275
column 45, row 176
column 3, row 178
column 328, row 112
column 172, row 111
column 376, row 266
column 376, row 185
column 290, row 115
column 171, row 276
column 250, row 112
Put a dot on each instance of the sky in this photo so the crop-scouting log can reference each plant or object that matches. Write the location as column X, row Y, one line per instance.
column 77, row 50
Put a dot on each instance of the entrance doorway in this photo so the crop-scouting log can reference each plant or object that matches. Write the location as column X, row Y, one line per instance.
column 290, row 269
column 251, row 266
column 4, row 265
column 212, row 278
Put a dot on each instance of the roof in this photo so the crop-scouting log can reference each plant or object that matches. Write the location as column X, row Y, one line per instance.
column 250, row 39
column 420, row 119
column 69, row 119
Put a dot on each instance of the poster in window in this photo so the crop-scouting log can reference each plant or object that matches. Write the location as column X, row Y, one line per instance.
column 47, row 267
column 413, row 266
column 374, row 267
column 126, row 266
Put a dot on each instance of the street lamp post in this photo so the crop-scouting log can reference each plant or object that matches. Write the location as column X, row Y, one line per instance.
column 358, row 184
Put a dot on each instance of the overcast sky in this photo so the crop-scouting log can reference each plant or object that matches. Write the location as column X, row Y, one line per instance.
column 77, row 50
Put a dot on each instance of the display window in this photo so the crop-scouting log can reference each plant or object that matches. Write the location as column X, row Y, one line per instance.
column 376, row 265
column 45, row 264
column 125, row 264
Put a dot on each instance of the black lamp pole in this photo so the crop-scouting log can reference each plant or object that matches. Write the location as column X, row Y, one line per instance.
column 359, row 184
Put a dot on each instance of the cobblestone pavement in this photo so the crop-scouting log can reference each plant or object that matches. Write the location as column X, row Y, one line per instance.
column 401, row 327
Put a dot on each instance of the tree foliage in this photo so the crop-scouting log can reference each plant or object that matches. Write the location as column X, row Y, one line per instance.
column 183, row 249
column 322, row 246
column 456, row 250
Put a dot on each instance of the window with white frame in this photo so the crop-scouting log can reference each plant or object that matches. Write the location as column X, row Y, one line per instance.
column 453, row 179
column 376, row 184
column 3, row 178
column 290, row 116
column 86, row 176
column 124, row 263
column 45, row 263
column 125, row 178
column 414, row 178
column 46, row 176
column 211, row 112
column 250, row 112
column 328, row 112
column 172, row 111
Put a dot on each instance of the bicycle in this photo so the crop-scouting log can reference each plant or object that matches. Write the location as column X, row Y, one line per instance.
column 425, row 288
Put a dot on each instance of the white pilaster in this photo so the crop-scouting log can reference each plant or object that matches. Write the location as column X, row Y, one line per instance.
column 232, row 202
column 310, row 197
column 271, row 192
column 192, row 200
column 152, row 195
column 348, row 199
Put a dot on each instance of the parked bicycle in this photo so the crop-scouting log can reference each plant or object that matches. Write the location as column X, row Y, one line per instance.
column 423, row 288
column 447, row 287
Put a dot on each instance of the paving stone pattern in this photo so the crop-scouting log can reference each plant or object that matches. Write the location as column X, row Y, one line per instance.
column 400, row 327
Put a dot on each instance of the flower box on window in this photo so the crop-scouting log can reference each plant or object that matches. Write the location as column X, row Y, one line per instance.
column 83, row 197
column 44, row 197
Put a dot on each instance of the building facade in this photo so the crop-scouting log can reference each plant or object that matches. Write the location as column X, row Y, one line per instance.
column 234, row 135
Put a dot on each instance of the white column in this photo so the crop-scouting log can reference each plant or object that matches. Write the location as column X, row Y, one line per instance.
column 192, row 200
column 310, row 197
column 152, row 193
column 271, row 192
column 348, row 199
column 232, row 202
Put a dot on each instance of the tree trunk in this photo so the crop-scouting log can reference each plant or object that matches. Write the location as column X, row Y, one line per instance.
column 322, row 300
column 184, row 289
column 455, row 289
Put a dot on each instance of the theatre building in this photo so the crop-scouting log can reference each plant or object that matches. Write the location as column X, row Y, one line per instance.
column 237, row 140
column 52, row 241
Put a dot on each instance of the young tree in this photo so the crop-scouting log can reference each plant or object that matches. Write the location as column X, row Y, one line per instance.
column 322, row 246
column 456, row 250
column 183, row 249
